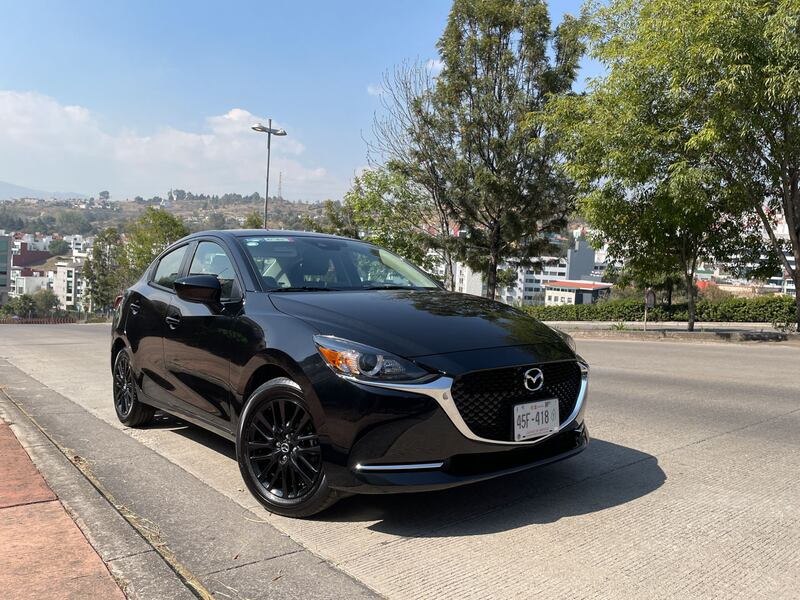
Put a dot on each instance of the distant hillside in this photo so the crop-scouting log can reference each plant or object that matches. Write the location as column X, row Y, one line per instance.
column 9, row 191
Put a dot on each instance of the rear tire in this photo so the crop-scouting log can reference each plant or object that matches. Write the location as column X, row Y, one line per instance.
column 278, row 451
column 130, row 410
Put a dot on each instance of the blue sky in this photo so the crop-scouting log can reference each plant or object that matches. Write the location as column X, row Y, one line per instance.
column 139, row 97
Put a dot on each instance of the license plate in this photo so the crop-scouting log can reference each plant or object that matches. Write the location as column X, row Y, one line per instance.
column 533, row 419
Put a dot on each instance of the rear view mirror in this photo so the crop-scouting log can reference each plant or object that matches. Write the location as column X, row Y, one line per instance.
column 203, row 289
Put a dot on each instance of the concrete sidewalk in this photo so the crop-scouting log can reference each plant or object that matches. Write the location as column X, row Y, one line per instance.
column 43, row 552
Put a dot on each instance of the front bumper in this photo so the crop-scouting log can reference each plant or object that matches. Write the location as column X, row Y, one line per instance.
column 462, row 469
column 430, row 447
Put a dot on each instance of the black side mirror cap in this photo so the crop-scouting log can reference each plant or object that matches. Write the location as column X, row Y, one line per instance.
column 203, row 289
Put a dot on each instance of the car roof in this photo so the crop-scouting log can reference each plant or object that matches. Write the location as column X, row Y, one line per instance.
column 234, row 233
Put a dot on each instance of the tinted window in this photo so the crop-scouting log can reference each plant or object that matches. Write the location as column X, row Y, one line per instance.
column 299, row 261
column 169, row 268
column 210, row 259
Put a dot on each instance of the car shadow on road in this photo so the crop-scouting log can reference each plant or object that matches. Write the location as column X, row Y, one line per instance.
column 604, row 476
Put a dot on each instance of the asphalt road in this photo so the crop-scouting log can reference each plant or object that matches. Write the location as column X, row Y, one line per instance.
column 689, row 487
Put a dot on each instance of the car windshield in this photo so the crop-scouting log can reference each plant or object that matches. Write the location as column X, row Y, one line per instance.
column 306, row 263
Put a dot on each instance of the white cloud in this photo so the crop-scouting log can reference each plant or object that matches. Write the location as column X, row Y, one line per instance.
column 435, row 66
column 374, row 89
column 47, row 145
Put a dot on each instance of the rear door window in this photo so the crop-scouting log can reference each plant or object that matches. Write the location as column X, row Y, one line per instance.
column 169, row 268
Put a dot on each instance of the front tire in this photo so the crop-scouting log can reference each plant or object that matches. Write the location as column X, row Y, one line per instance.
column 278, row 451
column 130, row 410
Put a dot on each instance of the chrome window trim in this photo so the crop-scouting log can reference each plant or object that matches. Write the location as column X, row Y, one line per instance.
column 440, row 389
column 408, row 467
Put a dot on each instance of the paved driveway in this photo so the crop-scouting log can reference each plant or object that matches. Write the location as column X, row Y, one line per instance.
column 689, row 487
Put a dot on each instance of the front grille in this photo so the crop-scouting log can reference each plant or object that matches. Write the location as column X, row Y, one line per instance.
column 486, row 399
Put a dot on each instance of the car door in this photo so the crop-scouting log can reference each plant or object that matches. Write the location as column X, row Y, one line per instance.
column 197, row 342
column 145, row 326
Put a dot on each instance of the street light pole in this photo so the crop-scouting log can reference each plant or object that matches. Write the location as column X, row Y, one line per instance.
column 270, row 132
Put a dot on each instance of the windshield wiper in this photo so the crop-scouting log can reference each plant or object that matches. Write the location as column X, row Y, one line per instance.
column 305, row 288
column 390, row 287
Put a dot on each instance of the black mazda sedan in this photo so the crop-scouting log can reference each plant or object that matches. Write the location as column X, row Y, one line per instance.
column 339, row 368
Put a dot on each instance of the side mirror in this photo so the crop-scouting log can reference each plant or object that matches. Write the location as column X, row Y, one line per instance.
column 203, row 289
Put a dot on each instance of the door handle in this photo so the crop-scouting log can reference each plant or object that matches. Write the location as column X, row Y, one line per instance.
column 135, row 308
column 173, row 321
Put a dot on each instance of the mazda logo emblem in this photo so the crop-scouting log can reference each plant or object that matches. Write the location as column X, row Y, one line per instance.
column 533, row 380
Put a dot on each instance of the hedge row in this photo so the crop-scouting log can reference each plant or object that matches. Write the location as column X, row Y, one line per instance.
column 761, row 309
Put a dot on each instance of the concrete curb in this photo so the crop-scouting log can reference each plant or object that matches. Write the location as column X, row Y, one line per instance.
column 691, row 336
column 138, row 568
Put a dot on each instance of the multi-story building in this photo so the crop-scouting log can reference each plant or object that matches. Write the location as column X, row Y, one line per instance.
column 5, row 267
column 468, row 281
column 78, row 243
column 575, row 292
column 68, row 284
column 579, row 263
column 27, row 281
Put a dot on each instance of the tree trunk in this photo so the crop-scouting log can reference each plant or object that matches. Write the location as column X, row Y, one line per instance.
column 449, row 274
column 494, row 255
column 797, row 296
column 491, row 277
column 690, row 292
column 670, row 285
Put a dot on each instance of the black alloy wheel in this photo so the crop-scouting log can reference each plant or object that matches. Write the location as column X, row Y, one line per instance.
column 283, row 449
column 130, row 410
column 279, row 453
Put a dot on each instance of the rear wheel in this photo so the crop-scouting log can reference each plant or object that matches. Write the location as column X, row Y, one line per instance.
column 278, row 451
column 130, row 410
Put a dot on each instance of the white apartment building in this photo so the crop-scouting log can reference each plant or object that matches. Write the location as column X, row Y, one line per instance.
column 530, row 285
column 28, row 284
column 78, row 243
column 468, row 281
column 68, row 284
column 34, row 243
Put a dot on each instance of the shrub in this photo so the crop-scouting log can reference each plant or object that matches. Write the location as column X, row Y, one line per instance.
column 761, row 309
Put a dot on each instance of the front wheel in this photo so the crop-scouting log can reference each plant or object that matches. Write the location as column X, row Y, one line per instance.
column 130, row 410
column 278, row 451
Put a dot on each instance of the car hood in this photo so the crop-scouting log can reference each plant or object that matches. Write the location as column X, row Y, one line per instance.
column 415, row 323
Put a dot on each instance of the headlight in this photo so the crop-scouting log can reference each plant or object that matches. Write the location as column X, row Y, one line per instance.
column 567, row 339
column 356, row 360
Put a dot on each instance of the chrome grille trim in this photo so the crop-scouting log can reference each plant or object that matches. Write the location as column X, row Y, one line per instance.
column 440, row 390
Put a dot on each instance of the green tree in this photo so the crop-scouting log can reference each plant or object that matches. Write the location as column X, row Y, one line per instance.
column 661, row 203
column 105, row 269
column 21, row 306
column 58, row 247
column 215, row 220
column 147, row 237
column 735, row 61
column 45, row 301
column 415, row 141
column 104, row 195
column 254, row 221
column 380, row 208
column 503, row 64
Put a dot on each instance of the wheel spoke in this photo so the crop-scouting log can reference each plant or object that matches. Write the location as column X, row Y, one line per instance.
column 300, row 472
column 282, row 413
column 262, row 457
column 310, row 450
column 307, row 464
column 283, row 481
column 261, row 445
column 263, row 421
